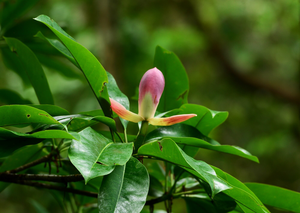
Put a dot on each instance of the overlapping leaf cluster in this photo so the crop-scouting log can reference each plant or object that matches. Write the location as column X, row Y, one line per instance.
column 106, row 159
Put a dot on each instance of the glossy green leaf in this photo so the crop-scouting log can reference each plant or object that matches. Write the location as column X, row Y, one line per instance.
column 84, row 154
column 53, row 110
column 91, row 67
column 221, row 203
column 110, row 190
column 22, row 156
column 22, row 114
column 189, row 136
column 11, row 97
column 78, row 122
column 176, row 81
column 187, row 182
column 59, row 46
column 199, row 205
column 243, row 196
column 178, row 130
column 6, row 134
column 276, row 196
column 206, row 119
column 168, row 150
column 11, row 140
column 34, row 70
column 108, row 121
column 234, row 150
column 116, row 154
column 125, row 189
column 116, row 94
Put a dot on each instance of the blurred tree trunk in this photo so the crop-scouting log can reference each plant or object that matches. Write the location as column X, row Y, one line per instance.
column 104, row 16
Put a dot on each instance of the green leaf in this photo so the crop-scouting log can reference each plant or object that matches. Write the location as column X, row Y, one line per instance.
column 176, row 81
column 21, row 114
column 91, row 67
column 34, row 70
column 187, row 182
column 189, row 136
column 25, row 28
column 178, row 130
column 97, row 112
column 155, row 169
column 108, row 121
column 84, row 154
column 125, row 189
column 57, row 65
column 116, row 94
column 6, row 134
column 243, row 196
column 11, row 97
column 59, row 46
column 51, row 109
column 78, row 122
column 94, row 155
column 221, row 203
column 276, row 196
column 11, row 141
column 206, row 119
column 13, row 62
column 116, row 154
column 199, row 205
column 168, row 150
column 20, row 157
column 234, row 150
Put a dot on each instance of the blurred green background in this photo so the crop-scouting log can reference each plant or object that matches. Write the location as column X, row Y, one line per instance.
column 241, row 56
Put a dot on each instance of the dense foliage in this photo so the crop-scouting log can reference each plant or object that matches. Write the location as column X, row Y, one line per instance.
column 87, row 163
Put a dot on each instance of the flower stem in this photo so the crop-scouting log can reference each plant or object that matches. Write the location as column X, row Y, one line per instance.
column 125, row 135
column 141, row 136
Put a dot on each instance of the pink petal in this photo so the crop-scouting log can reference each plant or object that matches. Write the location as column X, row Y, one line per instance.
column 170, row 120
column 121, row 111
column 151, row 88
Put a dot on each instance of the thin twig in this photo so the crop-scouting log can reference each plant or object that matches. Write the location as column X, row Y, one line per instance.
column 158, row 200
column 173, row 196
column 31, row 164
column 55, row 187
column 11, row 177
